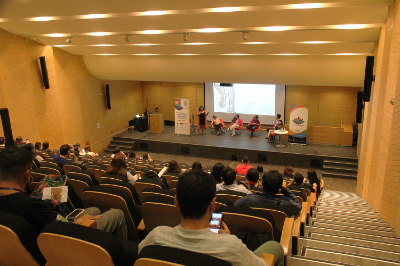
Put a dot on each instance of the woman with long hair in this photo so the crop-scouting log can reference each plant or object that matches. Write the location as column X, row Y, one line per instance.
column 173, row 167
column 288, row 173
column 315, row 181
column 118, row 167
column 202, row 121
column 216, row 172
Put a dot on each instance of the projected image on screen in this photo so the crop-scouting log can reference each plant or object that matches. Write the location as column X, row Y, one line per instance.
column 244, row 98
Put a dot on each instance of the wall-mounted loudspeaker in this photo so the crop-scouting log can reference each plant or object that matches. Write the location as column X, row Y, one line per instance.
column 360, row 106
column 43, row 69
column 108, row 101
column 369, row 78
column 226, row 84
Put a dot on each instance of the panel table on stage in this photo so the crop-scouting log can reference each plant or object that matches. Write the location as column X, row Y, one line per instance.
column 141, row 123
column 156, row 123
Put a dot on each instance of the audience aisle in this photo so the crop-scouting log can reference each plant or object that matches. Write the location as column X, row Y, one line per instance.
column 344, row 230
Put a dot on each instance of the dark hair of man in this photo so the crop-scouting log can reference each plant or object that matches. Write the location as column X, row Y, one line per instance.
column 30, row 148
column 64, row 149
column 195, row 191
column 152, row 174
column 38, row 145
column 245, row 159
column 237, row 115
column 278, row 115
column 229, row 177
column 45, row 145
column 272, row 182
column 252, row 176
column 256, row 116
column 14, row 161
column 260, row 168
column 116, row 150
column 19, row 139
column 216, row 172
column 196, row 166
column 2, row 140
column 298, row 178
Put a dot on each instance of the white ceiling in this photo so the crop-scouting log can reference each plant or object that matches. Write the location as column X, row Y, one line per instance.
column 267, row 56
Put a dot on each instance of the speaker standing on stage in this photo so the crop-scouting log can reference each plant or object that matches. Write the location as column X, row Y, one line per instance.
column 254, row 124
column 202, row 122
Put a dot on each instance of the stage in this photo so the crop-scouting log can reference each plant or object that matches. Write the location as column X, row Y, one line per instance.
column 230, row 148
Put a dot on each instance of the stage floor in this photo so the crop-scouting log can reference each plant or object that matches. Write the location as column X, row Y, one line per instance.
column 242, row 142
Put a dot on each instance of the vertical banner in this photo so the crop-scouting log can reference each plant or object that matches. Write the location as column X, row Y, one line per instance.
column 182, row 124
column 298, row 124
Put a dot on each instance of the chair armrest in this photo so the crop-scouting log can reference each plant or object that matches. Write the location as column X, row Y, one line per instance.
column 303, row 213
column 286, row 236
column 268, row 258
column 141, row 226
column 314, row 198
column 89, row 223
column 296, row 226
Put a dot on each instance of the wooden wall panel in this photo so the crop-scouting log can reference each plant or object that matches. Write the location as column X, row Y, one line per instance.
column 327, row 106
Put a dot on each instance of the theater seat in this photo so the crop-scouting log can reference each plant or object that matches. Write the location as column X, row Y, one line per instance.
column 72, row 244
column 167, row 256
column 230, row 195
column 150, row 191
column 18, row 244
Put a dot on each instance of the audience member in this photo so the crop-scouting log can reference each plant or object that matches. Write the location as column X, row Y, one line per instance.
column 195, row 199
column 253, row 178
column 20, row 142
column 173, row 167
column 196, row 166
column 117, row 150
column 288, row 173
column 2, row 142
column 146, row 156
column 65, row 155
column 36, row 158
column 242, row 169
column 118, row 167
column 216, row 172
column 229, row 182
column 272, row 182
column 313, row 179
column 260, row 168
column 15, row 173
column 38, row 146
column 46, row 146
column 253, row 125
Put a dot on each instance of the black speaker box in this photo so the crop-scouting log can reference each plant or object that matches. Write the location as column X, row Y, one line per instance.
column 108, row 96
column 226, row 84
column 43, row 69
column 369, row 77
column 360, row 106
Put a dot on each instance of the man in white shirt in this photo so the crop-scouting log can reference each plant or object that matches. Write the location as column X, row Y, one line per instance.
column 228, row 177
column 195, row 199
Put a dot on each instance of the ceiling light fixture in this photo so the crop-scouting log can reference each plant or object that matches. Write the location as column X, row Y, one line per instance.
column 244, row 36
column 69, row 40
column 127, row 38
column 185, row 36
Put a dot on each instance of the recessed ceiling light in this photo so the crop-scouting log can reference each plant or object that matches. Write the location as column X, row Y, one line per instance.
column 307, row 6
column 98, row 33
column 225, row 9
column 314, row 42
column 61, row 45
column 93, row 16
column 151, row 32
column 145, row 44
column 255, row 42
column 102, row 45
column 276, row 28
column 145, row 54
column 196, row 43
column 185, row 54
column 42, row 18
column 105, row 54
column 154, row 13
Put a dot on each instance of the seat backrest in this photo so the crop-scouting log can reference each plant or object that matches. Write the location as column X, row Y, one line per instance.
column 113, row 177
column 160, row 256
column 49, row 162
column 97, row 172
column 18, row 244
column 57, row 170
column 152, row 191
column 158, row 211
column 145, row 183
column 72, row 244
column 106, row 198
column 222, row 202
column 38, row 175
column 125, row 186
column 230, row 195
column 79, row 182
column 69, row 167
column 173, row 183
column 277, row 211
column 86, row 175
column 241, row 219
column 169, row 177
